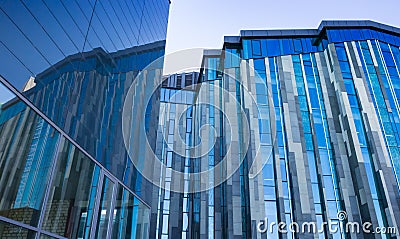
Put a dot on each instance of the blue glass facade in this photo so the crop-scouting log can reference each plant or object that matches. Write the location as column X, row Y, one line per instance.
column 65, row 172
column 42, row 33
column 52, row 186
column 323, row 122
column 329, row 136
column 97, row 93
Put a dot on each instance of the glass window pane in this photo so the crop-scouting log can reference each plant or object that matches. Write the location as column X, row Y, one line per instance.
column 269, row 193
column 8, row 230
column 131, row 217
column 273, row 47
column 69, row 208
column 329, row 188
column 5, row 95
column 27, row 150
column 332, row 209
column 44, row 236
column 256, row 45
column 268, row 170
column 105, row 208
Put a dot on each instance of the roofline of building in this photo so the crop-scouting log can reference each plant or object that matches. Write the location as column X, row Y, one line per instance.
column 326, row 24
column 209, row 53
column 101, row 53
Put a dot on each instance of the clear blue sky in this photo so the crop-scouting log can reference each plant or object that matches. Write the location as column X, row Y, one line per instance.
column 194, row 23
column 5, row 94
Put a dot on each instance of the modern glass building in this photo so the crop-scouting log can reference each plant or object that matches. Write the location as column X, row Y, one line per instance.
column 65, row 69
column 290, row 126
column 321, row 110
column 326, row 121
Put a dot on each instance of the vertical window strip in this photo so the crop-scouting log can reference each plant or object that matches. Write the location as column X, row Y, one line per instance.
column 269, row 174
column 163, row 156
column 385, row 117
column 211, row 162
column 269, row 177
column 395, row 53
column 383, row 58
column 164, row 205
column 361, row 132
column 168, row 161
column 390, row 74
column 242, row 168
column 234, row 63
column 325, row 148
column 281, row 142
column 298, row 64
column 222, row 153
column 195, row 168
column 186, row 183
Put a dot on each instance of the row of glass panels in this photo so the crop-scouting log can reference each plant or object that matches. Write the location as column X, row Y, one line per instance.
column 260, row 48
column 49, row 187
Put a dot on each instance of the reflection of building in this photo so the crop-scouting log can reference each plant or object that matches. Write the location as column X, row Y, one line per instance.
column 86, row 104
column 29, row 84
column 88, row 100
column 39, row 165
column 64, row 171
column 326, row 127
column 27, row 161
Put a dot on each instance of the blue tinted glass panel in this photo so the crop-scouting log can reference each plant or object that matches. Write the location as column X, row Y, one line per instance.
column 273, row 47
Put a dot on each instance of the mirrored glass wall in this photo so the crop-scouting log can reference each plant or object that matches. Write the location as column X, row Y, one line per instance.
column 50, row 188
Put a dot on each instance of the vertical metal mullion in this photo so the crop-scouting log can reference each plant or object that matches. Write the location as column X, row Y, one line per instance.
column 96, row 205
column 112, row 208
column 48, row 188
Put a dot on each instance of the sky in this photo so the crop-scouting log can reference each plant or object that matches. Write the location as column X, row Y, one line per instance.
column 203, row 24
column 5, row 94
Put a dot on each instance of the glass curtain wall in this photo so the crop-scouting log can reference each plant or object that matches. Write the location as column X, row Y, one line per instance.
column 49, row 186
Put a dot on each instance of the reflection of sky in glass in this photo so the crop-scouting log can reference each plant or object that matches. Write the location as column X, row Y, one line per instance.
column 5, row 94
column 40, row 33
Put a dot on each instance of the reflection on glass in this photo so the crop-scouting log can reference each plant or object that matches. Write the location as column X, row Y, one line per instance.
column 78, row 78
column 5, row 95
column 84, row 94
column 43, row 236
column 9, row 231
column 27, row 148
column 41, row 33
column 70, row 206
column 105, row 208
column 131, row 217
